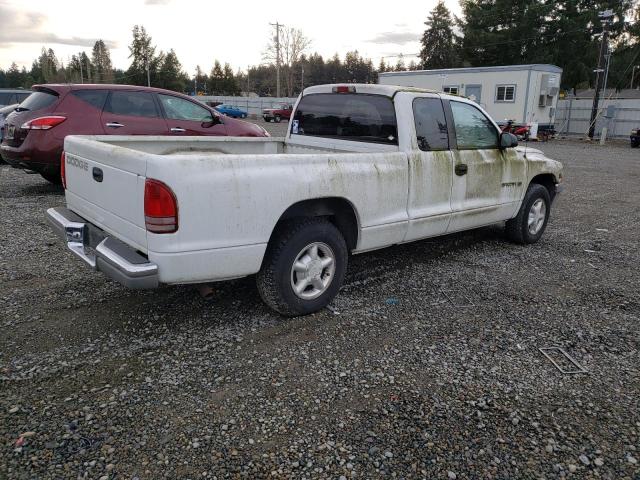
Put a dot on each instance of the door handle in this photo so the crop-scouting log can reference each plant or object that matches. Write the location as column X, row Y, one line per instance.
column 97, row 173
column 114, row 125
column 178, row 130
column 461, row 169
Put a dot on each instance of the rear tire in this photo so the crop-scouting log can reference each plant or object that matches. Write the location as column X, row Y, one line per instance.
column 52, row 178
column 530, row 223
column 290, row 264
column 634, row 144
column 277, row 119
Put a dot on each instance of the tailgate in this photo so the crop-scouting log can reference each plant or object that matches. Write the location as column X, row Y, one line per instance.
column 105, row 186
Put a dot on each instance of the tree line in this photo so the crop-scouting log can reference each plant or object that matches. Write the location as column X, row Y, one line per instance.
column 488, row 33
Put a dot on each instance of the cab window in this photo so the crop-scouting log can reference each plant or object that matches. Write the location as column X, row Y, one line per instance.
column 431, row 125
column 474, row 130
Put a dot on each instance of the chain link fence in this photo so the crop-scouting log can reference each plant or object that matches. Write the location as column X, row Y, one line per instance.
column 618, row 115
column 252, row 105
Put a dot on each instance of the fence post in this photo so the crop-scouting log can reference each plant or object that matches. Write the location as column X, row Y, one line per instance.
column 569, row 116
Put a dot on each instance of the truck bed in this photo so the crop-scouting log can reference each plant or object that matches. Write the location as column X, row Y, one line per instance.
column 163, row 145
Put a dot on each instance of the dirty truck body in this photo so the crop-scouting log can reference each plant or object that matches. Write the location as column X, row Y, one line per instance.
column 361, row 168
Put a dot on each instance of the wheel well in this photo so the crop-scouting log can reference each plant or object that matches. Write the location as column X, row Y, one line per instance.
column 338, row 211
column 548, row 181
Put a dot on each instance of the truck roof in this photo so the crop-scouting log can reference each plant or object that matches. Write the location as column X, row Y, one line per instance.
column 368, row 88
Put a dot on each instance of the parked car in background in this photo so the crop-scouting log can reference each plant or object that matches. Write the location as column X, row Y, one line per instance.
column 277, row 114
column 635, row 137
column 35, row 131
column 231, row 111
column 11, row 96
column 4, row 111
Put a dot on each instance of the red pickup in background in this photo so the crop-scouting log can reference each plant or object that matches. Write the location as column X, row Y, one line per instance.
column 277, row 114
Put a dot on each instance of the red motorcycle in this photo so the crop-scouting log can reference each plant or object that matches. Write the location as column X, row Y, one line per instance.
column 520, row 131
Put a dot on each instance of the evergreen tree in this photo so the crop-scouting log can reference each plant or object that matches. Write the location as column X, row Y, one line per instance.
column 170, row 75
column 400, row 65
column 216, row 78
column 229, row 84
column 101, row 60
column 382, row 67
column 143, row 56
column 438, row 40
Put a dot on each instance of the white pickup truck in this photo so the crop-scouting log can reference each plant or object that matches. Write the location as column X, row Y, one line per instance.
column 362, row 167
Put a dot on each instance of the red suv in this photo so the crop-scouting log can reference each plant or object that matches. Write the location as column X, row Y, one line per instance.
column 34, row 133
column 276, row 114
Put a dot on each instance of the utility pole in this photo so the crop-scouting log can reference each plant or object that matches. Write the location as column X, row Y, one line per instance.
column 80, row 62
column 278, row 27
column 88, row 70
column 302, row 79
column 248, row 84
column 605, row 19
column 633, row 70
column 146, row 65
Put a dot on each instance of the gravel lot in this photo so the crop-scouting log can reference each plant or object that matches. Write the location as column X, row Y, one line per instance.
column 426, row 366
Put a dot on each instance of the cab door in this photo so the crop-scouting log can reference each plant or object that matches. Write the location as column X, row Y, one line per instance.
column 187, row 118
column 478, row 166
column 430, row 171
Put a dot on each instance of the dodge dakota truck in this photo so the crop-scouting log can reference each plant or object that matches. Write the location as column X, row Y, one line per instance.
column 362, row 167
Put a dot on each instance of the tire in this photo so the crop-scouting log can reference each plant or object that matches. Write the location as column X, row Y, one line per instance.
column 634, row 144
column 243, row 116
column 518, row 229
column 54, row 178
column 267, row 120
column 293, row 243
column 277, row 119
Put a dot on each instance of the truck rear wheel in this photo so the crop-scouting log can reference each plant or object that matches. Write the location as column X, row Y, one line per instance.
column 531, row 221
column 277, row 118
column 304, row 267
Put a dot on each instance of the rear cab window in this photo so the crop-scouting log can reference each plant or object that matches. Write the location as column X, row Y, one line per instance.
column 431, row 124
column 39, row 99
column 347, row 116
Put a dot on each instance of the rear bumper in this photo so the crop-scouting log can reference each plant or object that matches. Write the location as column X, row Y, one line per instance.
column 101, row 252
column 40, row 155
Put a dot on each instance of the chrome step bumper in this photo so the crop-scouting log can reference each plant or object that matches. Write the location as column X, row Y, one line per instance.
column 101, row 252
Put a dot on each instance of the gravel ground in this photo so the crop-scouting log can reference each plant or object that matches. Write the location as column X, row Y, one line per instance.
column 426, row 365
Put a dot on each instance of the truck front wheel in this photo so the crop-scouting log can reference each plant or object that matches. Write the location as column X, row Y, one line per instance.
column 277, row 118
column 531, row 221
column 304, row 267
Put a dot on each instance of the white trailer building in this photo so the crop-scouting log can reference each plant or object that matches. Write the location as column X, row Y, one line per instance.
column 523, row 93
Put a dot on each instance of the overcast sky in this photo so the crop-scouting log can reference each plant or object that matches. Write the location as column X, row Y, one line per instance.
column 201, row 31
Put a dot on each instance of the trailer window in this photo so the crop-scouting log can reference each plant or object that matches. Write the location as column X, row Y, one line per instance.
column 505, row 93
column 347, row 116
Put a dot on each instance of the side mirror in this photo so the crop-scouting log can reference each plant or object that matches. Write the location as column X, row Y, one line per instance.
column 215, row 120
column 508, row 140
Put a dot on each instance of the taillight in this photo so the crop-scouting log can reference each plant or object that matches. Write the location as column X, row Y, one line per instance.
column 43, row 123
column 160, row 208
column 63, row 159
column 344, row 89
